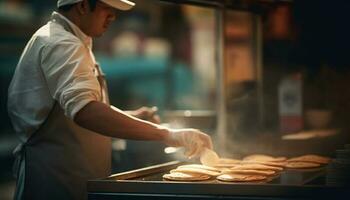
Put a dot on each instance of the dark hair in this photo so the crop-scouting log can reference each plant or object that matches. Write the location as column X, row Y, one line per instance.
column 68, row 7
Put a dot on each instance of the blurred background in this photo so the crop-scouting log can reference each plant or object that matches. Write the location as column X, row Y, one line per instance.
column 276, row 67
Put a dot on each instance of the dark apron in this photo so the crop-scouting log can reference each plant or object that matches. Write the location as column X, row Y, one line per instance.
column 59, row 158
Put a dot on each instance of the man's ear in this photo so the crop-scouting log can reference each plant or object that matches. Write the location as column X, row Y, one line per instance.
column 83, row 7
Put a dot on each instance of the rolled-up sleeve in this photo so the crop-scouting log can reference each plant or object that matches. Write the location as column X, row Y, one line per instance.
column 69, row 71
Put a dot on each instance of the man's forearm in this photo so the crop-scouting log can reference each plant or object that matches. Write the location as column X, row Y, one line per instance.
column 101, row 118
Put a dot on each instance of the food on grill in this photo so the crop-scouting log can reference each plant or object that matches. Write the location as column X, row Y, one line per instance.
column 209, row 157
column 195, row 171
column 225, row 166
column 311, row 158
column 268, row 163
column 197, row 166
column 258, row 167
column 228, row 161
column 240, row 177
column 261, row 157
column 249, row 172
column 179, row 176
column 301, row 165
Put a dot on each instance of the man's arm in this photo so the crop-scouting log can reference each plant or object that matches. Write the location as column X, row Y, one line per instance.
column 102, row 119
column 145, row 113
column 113, row 122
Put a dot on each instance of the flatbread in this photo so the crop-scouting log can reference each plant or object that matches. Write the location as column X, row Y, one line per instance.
column 261, row 157
column 240, row 177
column 258, row 167
column 178, row 176
column 301, row 165
column 228, row 161
column 268, row 163
column 250, row 172
column 197, row 166
column 195, row 171
column 209, row 157
column 228, row 165
column 311, row 158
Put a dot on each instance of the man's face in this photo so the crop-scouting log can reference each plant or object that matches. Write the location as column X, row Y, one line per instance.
column 98, row 21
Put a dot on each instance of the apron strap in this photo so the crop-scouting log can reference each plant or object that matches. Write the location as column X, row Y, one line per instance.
column 19, row 170
column 18, row 154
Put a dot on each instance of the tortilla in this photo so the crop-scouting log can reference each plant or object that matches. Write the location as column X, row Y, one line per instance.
column 311, row 158
column 179, row 176
column 228, row 161
column 240, row 177
column 257, row 167
column 250, row 172
column 209, row 157
column 301, row 165
column 228, row 165
column 195, row 171
column 261, row 157
column 268, row 163
column 197, row 166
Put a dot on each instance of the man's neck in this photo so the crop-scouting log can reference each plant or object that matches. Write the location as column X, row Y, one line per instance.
column 74, row 18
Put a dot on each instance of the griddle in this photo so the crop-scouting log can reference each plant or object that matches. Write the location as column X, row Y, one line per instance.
column 148, row 182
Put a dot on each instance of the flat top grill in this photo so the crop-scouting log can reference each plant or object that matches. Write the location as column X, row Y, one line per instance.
column 155, row 173
column 149, row 181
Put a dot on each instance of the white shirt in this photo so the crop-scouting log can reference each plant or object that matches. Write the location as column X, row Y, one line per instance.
column 56, row 65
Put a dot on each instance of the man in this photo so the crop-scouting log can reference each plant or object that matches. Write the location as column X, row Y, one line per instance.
column 58, row 103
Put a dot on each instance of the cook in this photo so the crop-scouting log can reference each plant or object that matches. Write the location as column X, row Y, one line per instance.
column 58, row 103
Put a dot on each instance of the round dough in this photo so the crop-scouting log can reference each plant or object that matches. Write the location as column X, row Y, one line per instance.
column 179, row 176
column 240, row 177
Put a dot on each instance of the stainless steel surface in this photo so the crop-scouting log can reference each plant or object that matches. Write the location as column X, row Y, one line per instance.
column 155, row 173
column 148, row 181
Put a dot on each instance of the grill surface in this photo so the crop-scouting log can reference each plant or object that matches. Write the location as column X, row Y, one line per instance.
column 149, row 181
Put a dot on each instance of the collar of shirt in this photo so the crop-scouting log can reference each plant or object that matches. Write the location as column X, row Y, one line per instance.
column 76, row 30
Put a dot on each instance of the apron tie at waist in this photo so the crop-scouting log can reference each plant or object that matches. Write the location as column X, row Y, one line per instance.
column 18, row 170
column 18, row 154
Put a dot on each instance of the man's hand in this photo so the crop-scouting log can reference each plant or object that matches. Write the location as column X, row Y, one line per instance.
column 194, row 141
column 146, row 113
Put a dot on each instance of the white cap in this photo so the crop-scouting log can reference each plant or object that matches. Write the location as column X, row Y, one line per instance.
column 118, row 4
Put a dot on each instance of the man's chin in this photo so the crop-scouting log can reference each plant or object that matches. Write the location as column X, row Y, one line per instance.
column 100, row 35
column 97, row 35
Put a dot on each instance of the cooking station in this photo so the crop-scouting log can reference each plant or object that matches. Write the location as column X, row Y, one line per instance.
column 242, row 121
column 147, row 183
